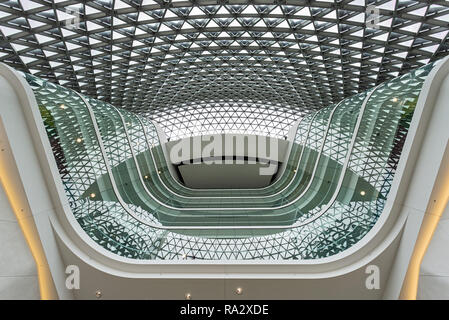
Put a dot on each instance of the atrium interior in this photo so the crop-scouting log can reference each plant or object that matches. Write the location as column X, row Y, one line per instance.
column 165, row 149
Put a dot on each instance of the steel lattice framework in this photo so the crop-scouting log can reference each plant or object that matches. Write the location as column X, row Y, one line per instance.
column 205, row 66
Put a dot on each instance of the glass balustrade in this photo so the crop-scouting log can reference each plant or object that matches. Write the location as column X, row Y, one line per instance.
column 334, row 189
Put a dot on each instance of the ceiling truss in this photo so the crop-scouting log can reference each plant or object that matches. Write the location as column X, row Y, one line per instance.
column 205, row 66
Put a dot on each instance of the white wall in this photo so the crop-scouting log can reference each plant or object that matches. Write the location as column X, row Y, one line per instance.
column 434, row 273
column 18, row 273
column 21, row 160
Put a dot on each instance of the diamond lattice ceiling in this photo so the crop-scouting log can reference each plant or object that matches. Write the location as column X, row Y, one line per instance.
column 210, row 66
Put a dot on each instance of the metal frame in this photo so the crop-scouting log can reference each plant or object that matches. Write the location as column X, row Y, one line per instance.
column 204, row 61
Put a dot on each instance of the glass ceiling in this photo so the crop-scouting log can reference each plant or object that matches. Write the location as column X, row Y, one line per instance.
column 208, row 66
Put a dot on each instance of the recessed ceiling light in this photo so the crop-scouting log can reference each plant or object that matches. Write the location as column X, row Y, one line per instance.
column 188, row 296
column 78, row 140
column 92, row 195
column 239, row 291
column 98, row 294
column 362, row 193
